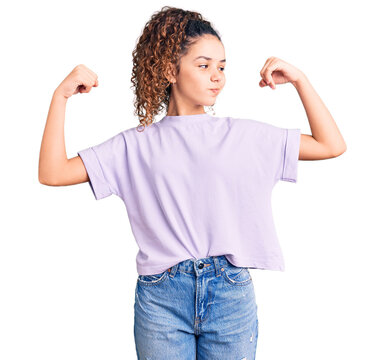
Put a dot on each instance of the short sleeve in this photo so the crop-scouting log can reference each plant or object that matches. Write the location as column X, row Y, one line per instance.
column 106, row 165
column 289, row 155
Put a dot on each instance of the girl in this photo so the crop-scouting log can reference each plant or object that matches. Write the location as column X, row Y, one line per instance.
column 197, row 188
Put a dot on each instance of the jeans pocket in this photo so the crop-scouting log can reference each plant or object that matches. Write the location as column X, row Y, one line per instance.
column 153, row 279
column 236, row 275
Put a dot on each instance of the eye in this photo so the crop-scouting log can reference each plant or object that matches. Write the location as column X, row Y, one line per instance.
column 223, row 69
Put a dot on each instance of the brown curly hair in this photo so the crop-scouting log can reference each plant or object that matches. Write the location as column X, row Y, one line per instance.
column 166, row 37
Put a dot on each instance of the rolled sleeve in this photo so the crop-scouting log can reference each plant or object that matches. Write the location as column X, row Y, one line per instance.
column 290, row 155
column 98, row 182
column 107, row 166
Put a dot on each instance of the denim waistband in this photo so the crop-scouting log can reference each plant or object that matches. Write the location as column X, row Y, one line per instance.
column 200, row 266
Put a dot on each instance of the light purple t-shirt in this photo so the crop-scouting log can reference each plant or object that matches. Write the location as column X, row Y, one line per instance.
column 196, row 186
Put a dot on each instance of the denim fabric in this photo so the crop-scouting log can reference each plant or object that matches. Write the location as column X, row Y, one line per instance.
column 201, row 309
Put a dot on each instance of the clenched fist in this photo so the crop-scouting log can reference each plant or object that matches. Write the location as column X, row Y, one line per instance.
column 79, row 80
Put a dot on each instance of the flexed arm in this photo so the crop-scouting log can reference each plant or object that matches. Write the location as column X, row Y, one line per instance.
column 326, row 140
column 54, row 167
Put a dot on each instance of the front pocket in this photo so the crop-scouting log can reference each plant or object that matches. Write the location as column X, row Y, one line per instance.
column 153, row 279
column 235, row 275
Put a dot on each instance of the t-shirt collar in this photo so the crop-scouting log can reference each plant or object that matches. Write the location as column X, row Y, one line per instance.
column 192, row 118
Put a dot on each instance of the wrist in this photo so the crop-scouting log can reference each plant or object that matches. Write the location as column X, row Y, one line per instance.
column 57, row 94
column 300, row 80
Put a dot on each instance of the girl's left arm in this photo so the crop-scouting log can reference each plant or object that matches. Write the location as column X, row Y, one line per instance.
column 326, row 140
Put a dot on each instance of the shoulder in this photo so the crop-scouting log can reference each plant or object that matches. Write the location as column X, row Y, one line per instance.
column 138, row 130
column 260, row 127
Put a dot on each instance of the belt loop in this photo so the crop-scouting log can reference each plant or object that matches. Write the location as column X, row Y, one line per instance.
column 173, row 269
column 217, row 266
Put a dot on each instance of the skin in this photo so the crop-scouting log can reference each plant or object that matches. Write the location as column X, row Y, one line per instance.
column 190, row 88
column 190, row 93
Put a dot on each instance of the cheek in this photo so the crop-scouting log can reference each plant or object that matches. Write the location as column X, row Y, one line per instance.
column 196, row 76
column 194, row 82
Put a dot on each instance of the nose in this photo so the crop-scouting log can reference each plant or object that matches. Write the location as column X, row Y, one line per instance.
column 217, row 75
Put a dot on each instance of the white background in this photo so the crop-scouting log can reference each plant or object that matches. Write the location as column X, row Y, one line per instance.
column 67, row 261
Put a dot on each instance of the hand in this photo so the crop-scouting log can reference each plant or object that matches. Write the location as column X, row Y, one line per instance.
column 80, row 80
column 276, row 71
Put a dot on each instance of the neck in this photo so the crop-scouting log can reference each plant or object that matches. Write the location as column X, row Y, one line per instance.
column 183, row 110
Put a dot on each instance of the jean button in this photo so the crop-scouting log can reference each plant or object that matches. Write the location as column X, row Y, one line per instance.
column 200, row 266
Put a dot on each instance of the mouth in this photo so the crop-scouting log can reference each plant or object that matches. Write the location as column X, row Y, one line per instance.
column 214, row 91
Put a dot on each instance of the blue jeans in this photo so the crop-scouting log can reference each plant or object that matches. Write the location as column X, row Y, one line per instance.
column 201, row 309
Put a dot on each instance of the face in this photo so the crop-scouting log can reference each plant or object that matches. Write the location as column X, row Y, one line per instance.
column 201, row 70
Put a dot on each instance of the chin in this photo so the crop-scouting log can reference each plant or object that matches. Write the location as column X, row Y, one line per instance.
column 207, row 102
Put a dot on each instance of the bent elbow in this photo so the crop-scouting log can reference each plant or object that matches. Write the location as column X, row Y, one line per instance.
column 339, row 152
column 43, row 181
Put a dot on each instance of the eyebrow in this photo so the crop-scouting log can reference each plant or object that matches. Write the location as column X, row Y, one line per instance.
column 208, row 58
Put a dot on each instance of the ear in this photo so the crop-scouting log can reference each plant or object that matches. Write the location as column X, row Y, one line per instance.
column 171, row 73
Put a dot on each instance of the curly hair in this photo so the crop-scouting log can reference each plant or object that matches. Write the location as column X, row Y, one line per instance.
column 166, row 37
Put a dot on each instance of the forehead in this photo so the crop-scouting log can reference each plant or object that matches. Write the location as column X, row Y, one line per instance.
column 207, row 47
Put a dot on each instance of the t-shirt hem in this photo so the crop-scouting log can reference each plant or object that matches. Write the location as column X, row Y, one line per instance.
column 237, row 261
column 255, row 264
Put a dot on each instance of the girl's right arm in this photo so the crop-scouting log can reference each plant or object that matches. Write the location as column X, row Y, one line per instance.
column 55, row 168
